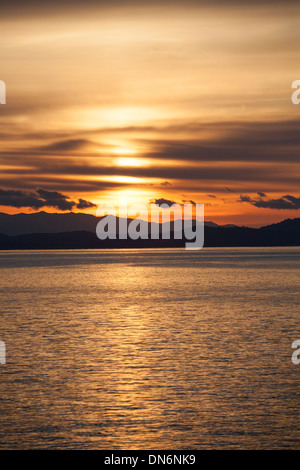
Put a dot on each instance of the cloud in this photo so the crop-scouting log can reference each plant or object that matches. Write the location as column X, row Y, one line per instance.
column 262, row 194
column 228, row 173
column 40, row 198
column 20, row 199
column 259, row 141
column 56, row 199
column 285, row 202
column 169, row 202
column 186, row 201
column 248, row 154
column 19, row 7
column 249, row 142
column 59, row 184
column 83, row 204
column 161, row 201
column 66, row 145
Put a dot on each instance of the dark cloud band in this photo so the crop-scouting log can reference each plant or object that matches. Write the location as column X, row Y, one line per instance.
column 285, row 202
column 41, row 198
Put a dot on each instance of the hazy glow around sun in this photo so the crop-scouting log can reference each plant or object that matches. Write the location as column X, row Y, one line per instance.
column 124, row 151
column 115, row 117
column 130, row 161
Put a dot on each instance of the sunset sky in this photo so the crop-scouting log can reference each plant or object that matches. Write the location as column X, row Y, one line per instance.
column 186, row 101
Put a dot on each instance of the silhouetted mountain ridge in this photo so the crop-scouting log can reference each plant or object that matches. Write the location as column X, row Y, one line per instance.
column 45, row 222
column 78, row 231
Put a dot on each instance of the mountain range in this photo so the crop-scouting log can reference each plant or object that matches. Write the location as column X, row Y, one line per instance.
column 44, row 230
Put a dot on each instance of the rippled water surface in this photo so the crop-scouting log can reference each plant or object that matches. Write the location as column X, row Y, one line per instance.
column 150, row 349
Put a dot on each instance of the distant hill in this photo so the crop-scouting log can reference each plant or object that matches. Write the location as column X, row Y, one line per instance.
column 78, row 231
column 45, row 222
column 285, row 225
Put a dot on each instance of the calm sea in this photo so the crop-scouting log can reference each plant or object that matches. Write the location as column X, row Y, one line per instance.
column 150, row 349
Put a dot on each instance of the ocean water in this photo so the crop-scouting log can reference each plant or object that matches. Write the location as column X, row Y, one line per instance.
column 150, row 349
